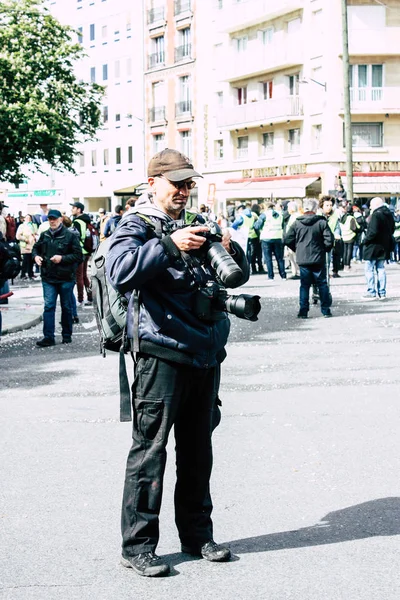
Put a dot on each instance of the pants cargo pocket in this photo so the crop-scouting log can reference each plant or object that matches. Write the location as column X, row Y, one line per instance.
column 149, row 418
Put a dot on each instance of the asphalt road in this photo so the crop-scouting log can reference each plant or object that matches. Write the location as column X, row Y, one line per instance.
column 307, row 461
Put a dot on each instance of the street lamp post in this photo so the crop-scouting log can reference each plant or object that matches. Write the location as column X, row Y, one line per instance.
column 347, row 104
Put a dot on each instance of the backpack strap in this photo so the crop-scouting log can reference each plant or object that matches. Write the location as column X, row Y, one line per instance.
column 125, row 406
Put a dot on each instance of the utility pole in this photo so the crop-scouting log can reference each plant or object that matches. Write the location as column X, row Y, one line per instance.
column 347, row 104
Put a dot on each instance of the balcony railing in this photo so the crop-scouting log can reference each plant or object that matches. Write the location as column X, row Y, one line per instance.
column 374, row 100
column 183, row 108
column 157, row 113
column 156, row 60
column 155, row 14
column 258, row 113
column 372, row 42
column 234, row 16
column 182, row 6
column 182, row 52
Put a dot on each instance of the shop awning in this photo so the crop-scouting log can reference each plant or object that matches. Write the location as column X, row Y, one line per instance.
column 132, row 190
column 276, row 188
column 375, row 185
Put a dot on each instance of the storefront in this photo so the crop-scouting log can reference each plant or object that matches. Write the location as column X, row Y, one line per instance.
column 371, row 179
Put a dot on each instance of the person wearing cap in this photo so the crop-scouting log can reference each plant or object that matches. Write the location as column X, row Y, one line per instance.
column 58, row 253
column 177, row 370
column 81, row 221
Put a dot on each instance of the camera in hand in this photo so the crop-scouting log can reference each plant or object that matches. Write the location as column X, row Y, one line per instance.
column 212, row 301
column 218, row 258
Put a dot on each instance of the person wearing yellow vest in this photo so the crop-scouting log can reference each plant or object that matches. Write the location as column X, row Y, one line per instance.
column 246, row 218
column 80, row 223
column 348, row 228
column 270, row 227
column 335, row 256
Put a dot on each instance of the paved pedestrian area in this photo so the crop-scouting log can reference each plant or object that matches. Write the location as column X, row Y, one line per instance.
column 307, row 460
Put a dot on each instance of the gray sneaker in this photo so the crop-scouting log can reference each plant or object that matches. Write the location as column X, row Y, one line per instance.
column 147, row 564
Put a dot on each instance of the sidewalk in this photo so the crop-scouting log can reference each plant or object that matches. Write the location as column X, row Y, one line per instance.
column 24, row 308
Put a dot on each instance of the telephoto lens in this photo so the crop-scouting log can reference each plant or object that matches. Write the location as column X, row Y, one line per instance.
column 223, row 264
column 243, row 306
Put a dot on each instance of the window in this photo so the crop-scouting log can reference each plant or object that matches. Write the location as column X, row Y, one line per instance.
column 158, row 56
column 220, row 98
column 129, row 67
column 186, row 142
column 92, row 32
column 367, row 135
column 82, row 159
column 117, row 69
column 118, row 156
column 268, row 144
column 219, row 149
column 185, row 95
column 104, row 32
column 158, row 142
column 267, row 36
column 294, row 84
column 117, row 116
column 94, row 158
column 80, row 35
column 130, row 154
column 128, row 22
column 367, row 17
column 184, row 44
column 92, row 74
column 241, row 44
column 105, row 72
column 366, row 82
column 241, row 95
column 267, row 89
column 243, row 147
column 158, row 95
column 106, row 157
column 105, row 114
column 293, row 26
column 316, row 138
column 294, row 140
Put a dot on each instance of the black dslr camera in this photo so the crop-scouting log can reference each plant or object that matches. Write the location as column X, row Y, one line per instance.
column 212, row 299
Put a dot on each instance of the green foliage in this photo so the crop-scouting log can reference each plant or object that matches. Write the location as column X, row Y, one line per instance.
column 44, row 110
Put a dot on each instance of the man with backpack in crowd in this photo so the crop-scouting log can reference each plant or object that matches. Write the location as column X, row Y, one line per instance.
column 82, row 223
column 155, row 260
column 113, row 221
column 58, row 253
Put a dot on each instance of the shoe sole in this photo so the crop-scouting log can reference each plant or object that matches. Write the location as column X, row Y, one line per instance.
column 150, row 572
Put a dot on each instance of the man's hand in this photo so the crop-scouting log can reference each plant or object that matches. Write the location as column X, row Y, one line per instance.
column 57, row 258
column 187, row 239
column 226, row 241
column 38, row 260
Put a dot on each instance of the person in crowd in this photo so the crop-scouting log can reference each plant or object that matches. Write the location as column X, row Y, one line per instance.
column 20, row 219
column 177, row 369
column 130, row 203
column 341, row 194
column 58, row 253
column 102, row 223
column 311, row 238
column 348, row 228
column 246, row 218
column 396, row 236
column 222, row 220
column 11, row 228
column 3, row 222
column 378, row 244
column 293, row 213
column 26, row 236
column 231, row 211
column 256, row 257
column 360, row 234
column 81, row 222
column 269, row 225
column 113, row 221
column 335, row 256
column 67, row 222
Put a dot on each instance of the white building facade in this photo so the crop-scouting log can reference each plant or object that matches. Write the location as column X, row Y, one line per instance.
column 111, row 32
column 275, row 107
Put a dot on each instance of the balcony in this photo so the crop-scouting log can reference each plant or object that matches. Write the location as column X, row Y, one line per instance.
column 157, row 114
column 183, row 109
column 259, row 58
column 181, row 7
column 234, row 16
column 369, row 101
column 183, row 52
column 254, row 114
column 156, row 60
column 155, row 15
column 378, row 42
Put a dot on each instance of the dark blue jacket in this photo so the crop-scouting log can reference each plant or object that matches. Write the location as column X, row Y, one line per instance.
column 139, row 260
column 111, row 225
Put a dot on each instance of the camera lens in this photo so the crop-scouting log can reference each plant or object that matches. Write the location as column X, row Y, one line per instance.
column 243, row 306
column 220, row 260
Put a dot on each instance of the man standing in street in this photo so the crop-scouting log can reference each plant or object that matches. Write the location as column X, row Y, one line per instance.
column 177, row 371
column 58, row 253
column 378, row 244
column 113, row 221
column 270, row 228
column 311, row 238
column 81, row 222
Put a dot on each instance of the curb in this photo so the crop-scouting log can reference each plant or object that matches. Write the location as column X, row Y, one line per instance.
column 27, row 325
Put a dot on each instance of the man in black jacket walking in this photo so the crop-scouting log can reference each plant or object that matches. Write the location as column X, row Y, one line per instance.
column 58, row 253
column 377, row 247
column 311, row 238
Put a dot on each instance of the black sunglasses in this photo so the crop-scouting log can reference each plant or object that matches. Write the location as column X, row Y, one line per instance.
column 180, row 184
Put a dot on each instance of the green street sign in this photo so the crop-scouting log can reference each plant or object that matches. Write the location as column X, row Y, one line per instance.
column 44, row 193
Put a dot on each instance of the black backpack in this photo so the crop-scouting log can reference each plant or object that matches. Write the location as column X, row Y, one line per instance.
column 10, row 259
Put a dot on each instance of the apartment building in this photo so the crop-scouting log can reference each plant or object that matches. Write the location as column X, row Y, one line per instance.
column 111, row 32
column 275, row 114
column 173, row 110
